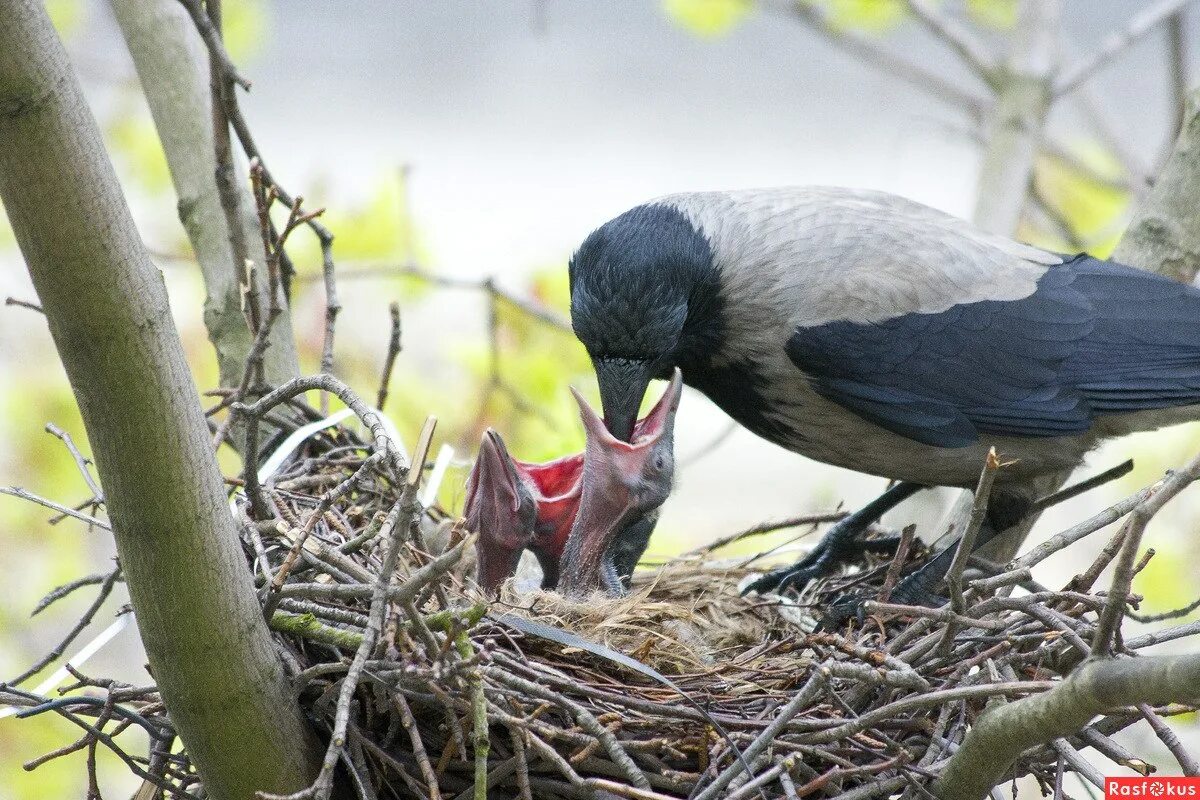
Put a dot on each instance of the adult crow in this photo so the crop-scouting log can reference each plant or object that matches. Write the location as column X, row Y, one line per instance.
column 872, row 332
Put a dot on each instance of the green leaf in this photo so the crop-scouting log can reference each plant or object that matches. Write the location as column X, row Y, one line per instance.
column 999, row 14
column 708, row 18
column 872, row 16
column 66, row 15
column 246, row 25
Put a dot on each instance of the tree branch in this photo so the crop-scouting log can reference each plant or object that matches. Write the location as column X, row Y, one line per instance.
column 1022, row 104
column 171, row 64
column 867, row 49
column 957, row 37
column 208, row 645
column 1005, row 731
column 1115, row 44
column 1164, row 236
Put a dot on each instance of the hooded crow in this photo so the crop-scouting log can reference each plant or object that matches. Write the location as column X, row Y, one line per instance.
column 869, row 331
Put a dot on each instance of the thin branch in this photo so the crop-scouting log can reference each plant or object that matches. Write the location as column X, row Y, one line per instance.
column 868, row 50
column 12, row 301
column 766, row 527
column 956, row 35
column 16, row 491
column 1117, row 43
column 81, row 461
column 389, row 360
column 1118, row 593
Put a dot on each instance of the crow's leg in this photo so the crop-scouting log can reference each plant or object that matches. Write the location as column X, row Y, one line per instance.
column 1006, row 510
column 840, row 544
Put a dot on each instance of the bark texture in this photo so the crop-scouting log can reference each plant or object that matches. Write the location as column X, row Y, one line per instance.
column 106, row 305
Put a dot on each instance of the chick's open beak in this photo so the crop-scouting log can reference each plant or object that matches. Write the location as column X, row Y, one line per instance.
column 501, row 509
column 622, row 483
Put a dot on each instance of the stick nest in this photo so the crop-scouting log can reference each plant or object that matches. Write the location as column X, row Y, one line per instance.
column 450, row 698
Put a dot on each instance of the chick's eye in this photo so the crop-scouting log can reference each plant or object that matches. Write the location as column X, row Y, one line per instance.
column 660, row 462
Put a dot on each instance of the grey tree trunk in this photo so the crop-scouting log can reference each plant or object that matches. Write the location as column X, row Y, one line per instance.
column 1165, row 233
column 208, row 646
column 172, row 65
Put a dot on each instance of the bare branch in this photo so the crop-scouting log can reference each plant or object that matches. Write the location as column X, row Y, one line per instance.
column 1116, row 43
column 816, row 19
column 949, row 30
column 1118, row 593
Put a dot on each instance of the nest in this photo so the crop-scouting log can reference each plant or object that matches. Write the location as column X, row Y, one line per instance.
column 438, row 692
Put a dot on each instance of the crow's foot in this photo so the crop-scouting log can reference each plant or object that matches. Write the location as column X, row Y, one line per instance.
column 830, row 553
column 840, row 545
column 848, row 607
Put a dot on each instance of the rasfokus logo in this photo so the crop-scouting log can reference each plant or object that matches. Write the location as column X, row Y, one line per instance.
column 1151, row 787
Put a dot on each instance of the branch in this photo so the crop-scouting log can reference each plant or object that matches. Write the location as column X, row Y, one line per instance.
column 172, row 67
column 210, row 650
column 957, row 37
column 867, row 49
column 1118, row 593
column 1164, row 236
column 1116, row 43
column 1022, row 104
column 1006, row 731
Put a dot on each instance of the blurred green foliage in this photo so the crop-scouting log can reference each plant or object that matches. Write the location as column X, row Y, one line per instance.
column 707, row 17
column 716, row 17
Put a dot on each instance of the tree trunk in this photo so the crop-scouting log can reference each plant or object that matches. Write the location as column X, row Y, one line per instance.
column 1164, row 236
column 209, row 648
column 172, row 65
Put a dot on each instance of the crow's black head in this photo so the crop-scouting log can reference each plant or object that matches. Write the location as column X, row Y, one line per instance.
column 643, row 301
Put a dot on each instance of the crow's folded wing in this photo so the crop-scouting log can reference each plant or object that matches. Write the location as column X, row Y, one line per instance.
column 1094, row 338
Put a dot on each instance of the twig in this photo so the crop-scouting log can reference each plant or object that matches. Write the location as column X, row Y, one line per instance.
column 800, row 701
column 966, row 544
column 1082, row 529
column 390, row 359
column 106, row 588
column 766, row 527
column 1116, row 43
column 400, row 518
column 1086, row 485
column 81, row 461
column 12, row 301
column 816, row 18
column 892, row 576
column 1135, row 526
column 16, row 491
column 957, row 37
column 1170, row 740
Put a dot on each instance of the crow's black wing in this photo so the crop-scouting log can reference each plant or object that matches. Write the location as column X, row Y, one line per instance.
column 1094, row 338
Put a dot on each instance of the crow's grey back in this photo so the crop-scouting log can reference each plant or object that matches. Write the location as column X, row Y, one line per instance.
column 855, row 255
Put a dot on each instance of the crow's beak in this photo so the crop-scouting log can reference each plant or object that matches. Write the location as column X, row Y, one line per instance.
column 622, row 483
column 623, row 383
column 500, row 508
